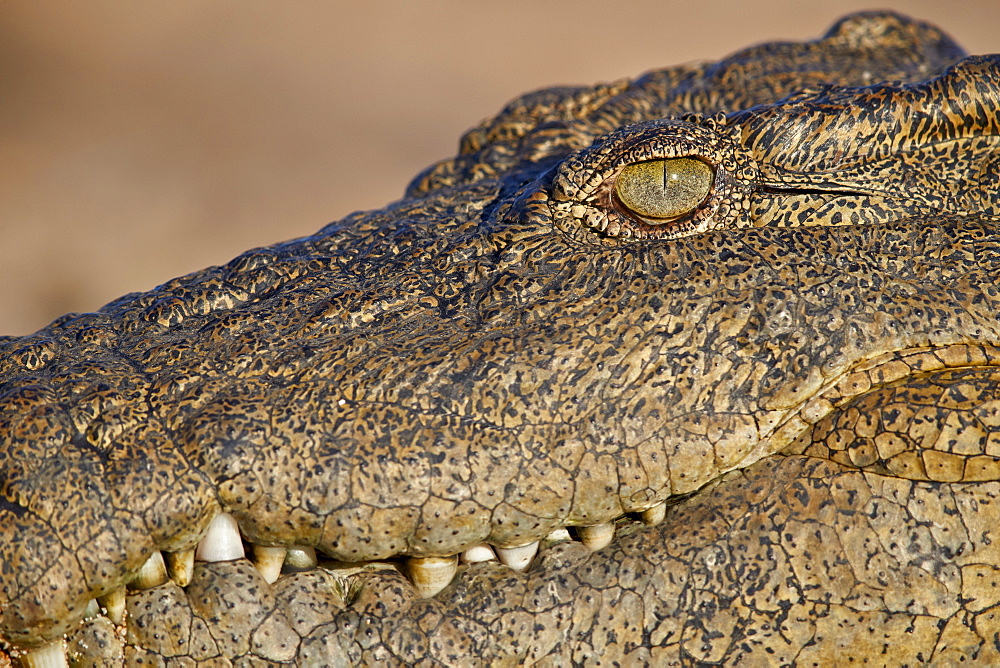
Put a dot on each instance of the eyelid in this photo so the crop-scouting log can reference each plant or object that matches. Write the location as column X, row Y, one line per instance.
column 590, row 203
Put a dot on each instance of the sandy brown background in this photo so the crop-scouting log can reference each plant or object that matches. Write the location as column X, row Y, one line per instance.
column 143, row 140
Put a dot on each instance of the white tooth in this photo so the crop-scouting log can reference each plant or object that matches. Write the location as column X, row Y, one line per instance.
column 114, row 603
column 222, row 541
column 430, row 575
column 654, row 515
column 52, row 655
column 559, row 535
column 92, row 610
column 597, row 536
column 300, row 558
column 180, row 566
column 519, row 557
column 152, row 574
column 268, row 561
column 477, row 553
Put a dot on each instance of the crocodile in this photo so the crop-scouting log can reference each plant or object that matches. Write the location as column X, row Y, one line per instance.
column 701, row 367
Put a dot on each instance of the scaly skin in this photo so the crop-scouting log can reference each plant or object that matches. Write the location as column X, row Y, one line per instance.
column 805, row 368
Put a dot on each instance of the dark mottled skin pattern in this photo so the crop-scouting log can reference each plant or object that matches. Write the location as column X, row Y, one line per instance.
column 804, row 368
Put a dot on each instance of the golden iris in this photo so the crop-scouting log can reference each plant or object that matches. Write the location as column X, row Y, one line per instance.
column 664, row 190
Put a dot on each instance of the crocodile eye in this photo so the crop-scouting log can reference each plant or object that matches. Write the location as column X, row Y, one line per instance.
column 660, row 191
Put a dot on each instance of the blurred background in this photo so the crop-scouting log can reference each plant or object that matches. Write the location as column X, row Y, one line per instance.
column 142, row 141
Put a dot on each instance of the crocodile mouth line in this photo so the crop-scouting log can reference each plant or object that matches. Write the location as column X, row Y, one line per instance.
column 278, row 566
column 867, row 376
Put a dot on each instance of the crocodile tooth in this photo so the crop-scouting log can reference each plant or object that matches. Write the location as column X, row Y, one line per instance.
column 430, row 575
column 152, row 574
column 560, row 535
column 653, row 516
column 518, row 557
column 300, row 558
column 114, row 603
column 92, row 609
column 222, row 541
column 477, row 553
column 52, row 655
column 597, row 536
column 268, row 561
column 180, row 566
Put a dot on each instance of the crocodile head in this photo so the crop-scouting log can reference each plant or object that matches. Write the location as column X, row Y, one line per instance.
column 745, row 314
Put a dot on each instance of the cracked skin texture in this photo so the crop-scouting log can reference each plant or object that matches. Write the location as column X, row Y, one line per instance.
column 806, row 367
